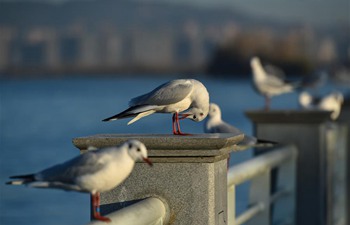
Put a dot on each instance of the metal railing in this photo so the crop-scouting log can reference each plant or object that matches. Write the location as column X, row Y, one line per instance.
column 258, row 171
column 150, row 211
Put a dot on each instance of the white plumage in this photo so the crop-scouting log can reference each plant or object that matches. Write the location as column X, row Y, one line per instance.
column 331, row 102
column 215, row 124
column 268, row 84
column 93, row 172
column 187, row 98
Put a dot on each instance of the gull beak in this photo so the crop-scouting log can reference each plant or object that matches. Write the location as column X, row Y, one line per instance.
column 148, row 161
column 184, row 116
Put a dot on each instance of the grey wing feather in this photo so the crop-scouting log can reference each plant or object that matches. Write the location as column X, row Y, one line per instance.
column 168, row 93
column 226, row 128
column 274, row 81
column 275, row 71
column 67, row 172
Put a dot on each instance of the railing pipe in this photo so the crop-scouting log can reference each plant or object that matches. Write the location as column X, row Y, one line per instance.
column 263, row 163
column 150, row 211
column 250, row 213
column 258, row 171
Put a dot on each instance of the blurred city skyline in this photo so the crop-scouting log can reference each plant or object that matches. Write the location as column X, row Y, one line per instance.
column 166, row 36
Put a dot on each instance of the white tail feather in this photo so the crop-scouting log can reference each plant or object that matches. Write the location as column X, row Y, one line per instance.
column 39, row 184
column 16, row 182
column 139, row 116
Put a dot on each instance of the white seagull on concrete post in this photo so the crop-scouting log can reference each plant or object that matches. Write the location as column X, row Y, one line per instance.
column 215, row 124
column 268, row 84
column 331, row 102
column 92, row 172
column 185, row 98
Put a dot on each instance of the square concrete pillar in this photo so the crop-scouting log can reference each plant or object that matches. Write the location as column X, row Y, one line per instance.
column 314, row 135
column 345, row 118
column 189, row 173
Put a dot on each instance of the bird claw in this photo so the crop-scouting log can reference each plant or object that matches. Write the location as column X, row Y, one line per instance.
column 102, row 218
column 180, row 133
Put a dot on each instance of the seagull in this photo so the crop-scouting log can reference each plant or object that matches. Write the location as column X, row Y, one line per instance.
column 214, row 124
column 92, row 172
column 331, row 102
column 269, row 84
column 188, row 96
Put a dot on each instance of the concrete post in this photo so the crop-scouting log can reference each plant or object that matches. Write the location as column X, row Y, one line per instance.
column 345, row 118
column 309, row 131
column 189, row 173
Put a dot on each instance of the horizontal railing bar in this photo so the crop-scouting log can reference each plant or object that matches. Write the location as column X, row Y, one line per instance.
column 150, row 211
column 250, row 213
column 279, row 194
column 259, row 207
column 260, row 164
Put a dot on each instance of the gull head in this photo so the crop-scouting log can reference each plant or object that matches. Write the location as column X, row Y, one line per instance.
column 305, row 99
column 254, row 61
column 338, row 97
column 137, row 151
column 195, row 114
column 214, row 110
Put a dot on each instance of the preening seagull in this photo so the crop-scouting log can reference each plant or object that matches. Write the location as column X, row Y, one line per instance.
column 185, row 98
column 92, row 172
column 331, row 102
column 215, row 124
column 268, row 84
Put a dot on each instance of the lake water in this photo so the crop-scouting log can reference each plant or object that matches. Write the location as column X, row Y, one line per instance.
column 39, row 118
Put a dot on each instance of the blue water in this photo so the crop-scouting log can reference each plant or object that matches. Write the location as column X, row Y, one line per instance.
column 39, row 118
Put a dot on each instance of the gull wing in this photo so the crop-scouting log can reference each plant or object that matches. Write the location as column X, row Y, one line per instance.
column 168, row 93
column 225, row 128
column 67, row 172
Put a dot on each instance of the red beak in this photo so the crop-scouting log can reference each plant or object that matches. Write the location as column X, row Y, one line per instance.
column 148, row 161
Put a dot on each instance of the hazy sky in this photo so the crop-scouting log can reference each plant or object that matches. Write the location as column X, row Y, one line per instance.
column 309, row 11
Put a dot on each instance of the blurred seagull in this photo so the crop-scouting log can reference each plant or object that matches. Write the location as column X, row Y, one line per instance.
column 92, row 172
column 214, row 124
column 172, row 97
column 331, row 102
column 269, row 84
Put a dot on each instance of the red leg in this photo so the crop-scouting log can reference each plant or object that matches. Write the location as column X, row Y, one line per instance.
column 174, row 129
column 178, row 125
column 96, row 208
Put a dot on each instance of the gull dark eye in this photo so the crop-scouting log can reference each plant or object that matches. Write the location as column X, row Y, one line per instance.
column 194, row 117
column 138, row 149
column 201, row 114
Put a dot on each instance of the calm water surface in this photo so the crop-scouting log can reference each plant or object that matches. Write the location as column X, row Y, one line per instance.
column 39, row 118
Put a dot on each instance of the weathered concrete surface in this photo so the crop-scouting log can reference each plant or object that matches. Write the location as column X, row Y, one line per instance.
column 189, row 173
column 345, row 118
column 167, row 148
column 309, row 131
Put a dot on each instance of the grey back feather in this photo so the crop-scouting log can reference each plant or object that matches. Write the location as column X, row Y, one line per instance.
column 168, row 93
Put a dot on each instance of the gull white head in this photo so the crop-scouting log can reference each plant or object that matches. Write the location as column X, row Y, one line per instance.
column 305, row 99
column 338, row 97
column 334, row 103
column 255, row 61
column 137, row 151
column 195, row 114
column 214, row 111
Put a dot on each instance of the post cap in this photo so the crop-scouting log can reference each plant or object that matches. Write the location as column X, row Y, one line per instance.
column 168, row 145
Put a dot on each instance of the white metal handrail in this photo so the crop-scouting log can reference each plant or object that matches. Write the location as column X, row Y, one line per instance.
column 258, row 165
column 150, row 211
column 258, row 170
